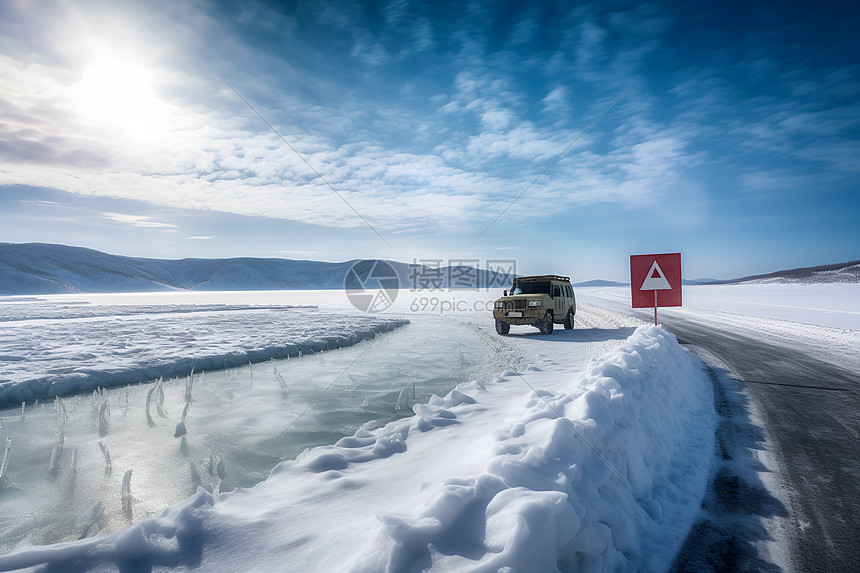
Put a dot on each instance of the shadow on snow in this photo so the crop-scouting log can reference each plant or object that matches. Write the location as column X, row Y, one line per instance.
column 577, row 334
column 729, row 529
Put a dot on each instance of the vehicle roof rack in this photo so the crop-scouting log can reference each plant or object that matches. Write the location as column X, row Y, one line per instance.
column 535, row 278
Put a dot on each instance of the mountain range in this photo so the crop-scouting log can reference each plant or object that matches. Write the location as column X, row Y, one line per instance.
column 836, row 273
column 39, row 268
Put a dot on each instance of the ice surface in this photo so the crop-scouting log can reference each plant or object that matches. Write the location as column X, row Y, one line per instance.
column 74, row 348
column 225, row 420
column 486, row 478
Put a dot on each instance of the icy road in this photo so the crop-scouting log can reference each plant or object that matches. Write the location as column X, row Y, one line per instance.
column 803, row 382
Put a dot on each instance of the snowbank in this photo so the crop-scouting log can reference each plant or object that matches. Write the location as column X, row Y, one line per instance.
column 488, row 478
column 75, row 348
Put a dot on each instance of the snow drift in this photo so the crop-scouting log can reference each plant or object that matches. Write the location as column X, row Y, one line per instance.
column 488, row 478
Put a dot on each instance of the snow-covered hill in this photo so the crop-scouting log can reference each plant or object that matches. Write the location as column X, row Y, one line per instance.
column 848, row 272
column 38, row 268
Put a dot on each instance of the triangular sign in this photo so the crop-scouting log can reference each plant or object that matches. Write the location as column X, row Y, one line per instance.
column 655, row 279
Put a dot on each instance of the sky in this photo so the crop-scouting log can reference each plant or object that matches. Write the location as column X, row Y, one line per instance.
column 564, row 136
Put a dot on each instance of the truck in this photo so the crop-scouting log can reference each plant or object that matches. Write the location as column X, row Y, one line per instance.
column 540, row 301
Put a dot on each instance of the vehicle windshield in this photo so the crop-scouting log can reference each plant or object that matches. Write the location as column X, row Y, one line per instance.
column 531, row 288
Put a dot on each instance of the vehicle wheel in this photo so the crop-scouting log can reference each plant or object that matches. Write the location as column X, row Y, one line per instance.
column 545, row 326
column 568, row 322
column 502, row 327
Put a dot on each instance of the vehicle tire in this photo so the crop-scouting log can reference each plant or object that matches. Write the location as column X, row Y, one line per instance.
column 545, row 326
column 502, row 327
column 568, row 322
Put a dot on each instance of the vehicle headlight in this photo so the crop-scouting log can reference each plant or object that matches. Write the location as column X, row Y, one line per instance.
column 500, row 304
column 534, row 303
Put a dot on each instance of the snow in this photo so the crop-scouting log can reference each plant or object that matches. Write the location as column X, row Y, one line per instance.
column 836, row 273
column 497, row 473
column 824, row 319
column 821, row 321
column 58, row 348
column 829, row 305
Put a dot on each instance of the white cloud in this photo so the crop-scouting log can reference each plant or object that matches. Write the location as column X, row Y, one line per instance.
column 138, row 221
column 497, row 119
column 483, row 145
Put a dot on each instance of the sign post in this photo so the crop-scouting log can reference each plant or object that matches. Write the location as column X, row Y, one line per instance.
column 658, row 273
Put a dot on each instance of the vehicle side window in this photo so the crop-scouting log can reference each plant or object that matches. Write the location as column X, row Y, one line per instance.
column 556, row 290
column 569, row 291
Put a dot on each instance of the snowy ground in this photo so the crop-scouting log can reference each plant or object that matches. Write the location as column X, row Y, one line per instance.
column 820, row 322
column 487, row 477
column 498, row 473
column 824, row 318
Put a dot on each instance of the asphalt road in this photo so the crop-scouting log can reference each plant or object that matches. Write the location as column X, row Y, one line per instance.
column 811, row 413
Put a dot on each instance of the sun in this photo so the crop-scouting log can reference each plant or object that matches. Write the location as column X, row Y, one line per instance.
column 116, row 94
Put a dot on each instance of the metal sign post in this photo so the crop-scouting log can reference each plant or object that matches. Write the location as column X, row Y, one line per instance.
column 655, row 307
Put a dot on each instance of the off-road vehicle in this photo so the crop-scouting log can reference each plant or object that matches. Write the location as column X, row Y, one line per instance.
column 539, row 301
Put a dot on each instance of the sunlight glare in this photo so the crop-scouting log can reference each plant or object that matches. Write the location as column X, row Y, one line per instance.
column 117, row 94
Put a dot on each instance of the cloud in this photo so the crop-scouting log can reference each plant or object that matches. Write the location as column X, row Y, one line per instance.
column 138, row 221
column 418, row 119
column 44, row 203
column 555, row 102
column 497, row 119
column 220, row 157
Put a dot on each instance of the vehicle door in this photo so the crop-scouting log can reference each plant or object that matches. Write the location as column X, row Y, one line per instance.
column 559, row 302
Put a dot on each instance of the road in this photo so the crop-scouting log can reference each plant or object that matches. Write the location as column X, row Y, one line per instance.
column 810, row 412
column 807, row 399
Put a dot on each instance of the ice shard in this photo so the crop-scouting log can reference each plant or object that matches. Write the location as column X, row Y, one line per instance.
column 282, row 381
column 104, row 418
column 149, row 421
column 4, row 465
column 404, row 400
column 189, row 386
column 159, row 392
column 126, row 493
column 54, row 464
column 106, row 454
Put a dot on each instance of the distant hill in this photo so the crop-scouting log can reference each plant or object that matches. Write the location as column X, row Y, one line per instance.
column 38, row 268
column 836, row 273
column 693, row 282
column 600, row 283
column 603, row 283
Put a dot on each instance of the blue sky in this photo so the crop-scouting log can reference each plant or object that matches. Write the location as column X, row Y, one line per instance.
column 735, row 143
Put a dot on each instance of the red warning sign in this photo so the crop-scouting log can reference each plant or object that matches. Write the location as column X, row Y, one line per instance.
column 655, row 280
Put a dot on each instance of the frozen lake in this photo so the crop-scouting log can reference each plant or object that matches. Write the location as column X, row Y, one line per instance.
column 239, row 422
